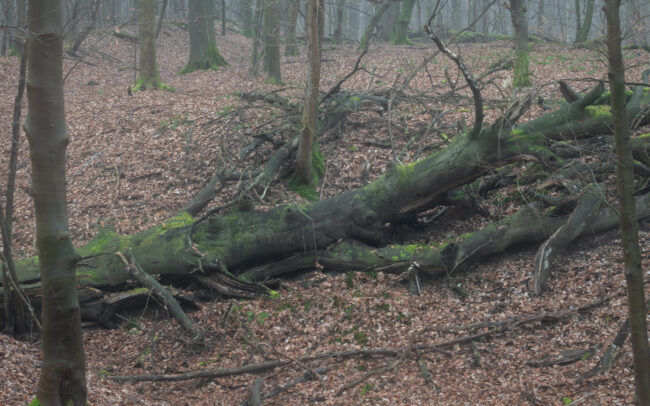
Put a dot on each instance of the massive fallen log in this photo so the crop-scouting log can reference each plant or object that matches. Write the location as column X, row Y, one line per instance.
column 345, row 231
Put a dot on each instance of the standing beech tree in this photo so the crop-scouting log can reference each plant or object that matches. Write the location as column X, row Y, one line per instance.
column 519, row 16
column 149, row 77
column 398, row 35
column 203, row 48
column 63, row 379
column 629, row 226
column 304, row 162
column 582, row 29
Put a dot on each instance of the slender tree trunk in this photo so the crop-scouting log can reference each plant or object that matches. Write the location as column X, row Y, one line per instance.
column 628, row 222
column 578, row 18
column 16, row 316
column 398, row 35
column 291, row 46
column 519, row 17
column 223, row 18
column 387, row 21
column 63, row 379
column 540, row 18
column 161, row 18
column 246, row 15
column 259, row 16
column 583, row 31
column 203, row 48
column 304, row 163
column 272, row 41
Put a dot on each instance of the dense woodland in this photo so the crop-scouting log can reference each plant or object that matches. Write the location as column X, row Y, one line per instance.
column 324, row 202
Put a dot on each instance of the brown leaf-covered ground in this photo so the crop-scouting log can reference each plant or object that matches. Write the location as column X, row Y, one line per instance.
column 134, row 161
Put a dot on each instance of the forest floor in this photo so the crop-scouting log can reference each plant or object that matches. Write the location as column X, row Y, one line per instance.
column 134, row 161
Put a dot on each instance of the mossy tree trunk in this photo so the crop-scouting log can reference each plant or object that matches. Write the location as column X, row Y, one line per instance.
column 304, row 164
column 203, row 47
column 148, row 77
column 387, row 21
column 63, row 379
column 582, row 31
column 629, row 226
column 345, row 231
column 519, row 16
column 272, row 41
column 398, row 35
column 291, row 45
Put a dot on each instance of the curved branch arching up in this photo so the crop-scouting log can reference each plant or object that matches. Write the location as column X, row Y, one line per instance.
column 471, row 82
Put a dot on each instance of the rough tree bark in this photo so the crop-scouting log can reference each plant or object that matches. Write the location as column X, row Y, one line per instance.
column 203, row 48
column 629, row 226
column 304, row 164
column 63, row 379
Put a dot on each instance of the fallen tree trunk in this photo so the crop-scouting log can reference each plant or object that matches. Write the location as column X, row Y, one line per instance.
column 345, row 231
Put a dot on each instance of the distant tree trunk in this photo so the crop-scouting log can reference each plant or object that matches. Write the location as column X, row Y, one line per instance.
column 223, row 18
column 161, row 18
column 338, row 29
column 148, row 77
column 246, row 15
column 540, row 18
column 17, row 46
column 578, row 19
column 387, row 21
column 203, row 48
column 304, row 162
column 519, row 18
column 259, row 16
column 291, row 46
column 379, row 12
column 272, row 41
column 81, row 36
column 63, row 378
column 583, row 32
column 398, row 35
column 628, row 217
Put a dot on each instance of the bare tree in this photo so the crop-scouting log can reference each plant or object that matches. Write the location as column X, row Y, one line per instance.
column 304, row 162
column 629, row 226
column 63, row 379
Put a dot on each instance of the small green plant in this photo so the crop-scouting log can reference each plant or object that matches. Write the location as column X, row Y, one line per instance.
column 307, row 305
column 349, row 280
column 366, row 388
column 274, row 294
column 360, row 338
column 35, row 402
column 384, row 307
column 567, row 400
